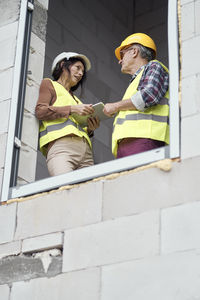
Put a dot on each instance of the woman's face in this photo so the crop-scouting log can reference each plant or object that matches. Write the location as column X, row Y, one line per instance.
column 76, row 73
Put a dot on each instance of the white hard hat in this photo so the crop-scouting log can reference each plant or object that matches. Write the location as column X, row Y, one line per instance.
column 68, row 55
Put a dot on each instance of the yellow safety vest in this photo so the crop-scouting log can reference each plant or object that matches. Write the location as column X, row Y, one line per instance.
column 54, row 129
column 153, row 123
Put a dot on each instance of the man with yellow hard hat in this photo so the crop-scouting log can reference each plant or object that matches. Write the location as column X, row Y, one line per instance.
column 142, row 116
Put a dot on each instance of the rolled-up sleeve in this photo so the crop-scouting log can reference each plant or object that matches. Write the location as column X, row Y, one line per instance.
column 154, row 85
column 138, row 101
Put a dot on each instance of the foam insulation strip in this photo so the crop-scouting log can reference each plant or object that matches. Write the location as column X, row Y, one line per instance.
column 164, row 165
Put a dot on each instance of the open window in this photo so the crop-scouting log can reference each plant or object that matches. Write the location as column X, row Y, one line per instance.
column 95, row 30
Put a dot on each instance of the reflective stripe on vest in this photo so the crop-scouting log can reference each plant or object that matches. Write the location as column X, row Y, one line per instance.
column 153, row 123
column 164, row 119
column 59, row 126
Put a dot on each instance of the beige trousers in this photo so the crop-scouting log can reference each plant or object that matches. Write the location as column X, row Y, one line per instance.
column 67, row 154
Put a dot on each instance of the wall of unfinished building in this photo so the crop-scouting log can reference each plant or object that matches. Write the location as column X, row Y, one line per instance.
column 9, row 25
column 28, row 152
column 133, row 236
column 8, row 33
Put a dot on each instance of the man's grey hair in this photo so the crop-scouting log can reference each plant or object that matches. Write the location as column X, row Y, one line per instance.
column 145, row 52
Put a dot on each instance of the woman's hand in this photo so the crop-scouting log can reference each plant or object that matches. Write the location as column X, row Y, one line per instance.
column 93, row 123
column 82, row 109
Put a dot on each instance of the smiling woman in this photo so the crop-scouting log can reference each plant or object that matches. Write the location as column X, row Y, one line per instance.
column 66, row 145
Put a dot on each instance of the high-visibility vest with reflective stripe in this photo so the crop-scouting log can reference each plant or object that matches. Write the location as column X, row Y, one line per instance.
column 153, row 123
column 53, row 129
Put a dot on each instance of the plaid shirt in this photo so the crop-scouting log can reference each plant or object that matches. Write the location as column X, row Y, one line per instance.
column 153, row 84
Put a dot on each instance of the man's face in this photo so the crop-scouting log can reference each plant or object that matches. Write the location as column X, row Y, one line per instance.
column 126, row 60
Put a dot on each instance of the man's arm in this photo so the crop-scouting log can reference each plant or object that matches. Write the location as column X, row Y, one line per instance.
column 151, row 90
column 113, row 108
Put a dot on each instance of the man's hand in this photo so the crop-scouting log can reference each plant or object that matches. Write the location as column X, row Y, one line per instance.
column 110, row 109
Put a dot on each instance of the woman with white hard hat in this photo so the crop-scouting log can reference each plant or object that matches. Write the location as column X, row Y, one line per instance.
column 66, row 145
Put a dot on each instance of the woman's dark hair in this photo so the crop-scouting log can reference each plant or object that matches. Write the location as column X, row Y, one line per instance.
column 67, row 63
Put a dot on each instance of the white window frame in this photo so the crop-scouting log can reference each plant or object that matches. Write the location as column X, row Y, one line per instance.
column 126, row 163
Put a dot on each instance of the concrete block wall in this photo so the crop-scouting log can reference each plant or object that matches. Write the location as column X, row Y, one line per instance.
column 8, row 40
column 110, row 239
column 190, row 105
column 151, row 18
column 28, row 151
column 132, row 237
column 8, row 35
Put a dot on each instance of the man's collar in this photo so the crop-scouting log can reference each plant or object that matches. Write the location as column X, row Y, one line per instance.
column 136, row 73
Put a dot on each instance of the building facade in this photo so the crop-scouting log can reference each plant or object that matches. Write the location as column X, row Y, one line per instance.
column 128, row 232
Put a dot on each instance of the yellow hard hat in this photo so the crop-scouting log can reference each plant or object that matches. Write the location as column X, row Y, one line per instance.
column 139, row 38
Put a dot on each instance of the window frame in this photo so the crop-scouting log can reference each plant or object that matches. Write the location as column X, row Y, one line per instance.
column 126, row 163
